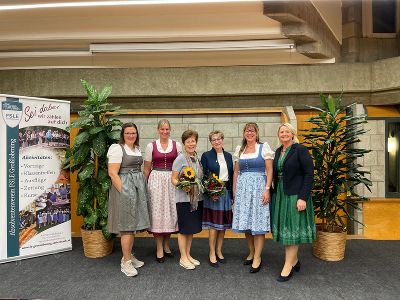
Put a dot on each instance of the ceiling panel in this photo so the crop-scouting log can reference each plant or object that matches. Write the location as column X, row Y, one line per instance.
column 75, row 28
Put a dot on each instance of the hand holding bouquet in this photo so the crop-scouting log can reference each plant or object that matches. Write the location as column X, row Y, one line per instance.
column 214, row 187
column 187, row 179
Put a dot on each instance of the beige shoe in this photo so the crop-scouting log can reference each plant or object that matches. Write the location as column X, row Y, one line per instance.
column 194, row 261
column 187, row 266
column 128, row 269
column 135, row 262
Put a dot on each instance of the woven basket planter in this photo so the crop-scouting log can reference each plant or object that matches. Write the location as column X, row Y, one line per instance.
column 330, row 246
column 94, row 243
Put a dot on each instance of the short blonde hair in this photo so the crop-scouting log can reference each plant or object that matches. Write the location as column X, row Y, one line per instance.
column 292, row 130
column 221, row 135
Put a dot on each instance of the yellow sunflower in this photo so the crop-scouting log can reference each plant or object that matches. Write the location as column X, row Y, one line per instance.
column 189, row 173
column 217, row 178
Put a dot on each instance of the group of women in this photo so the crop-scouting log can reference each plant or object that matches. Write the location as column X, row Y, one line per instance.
column 264, row 191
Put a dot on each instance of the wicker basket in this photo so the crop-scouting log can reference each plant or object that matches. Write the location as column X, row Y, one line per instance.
column 94, row 243
column 330, row 246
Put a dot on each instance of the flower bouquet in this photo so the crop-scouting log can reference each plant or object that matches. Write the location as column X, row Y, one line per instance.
column 187, row 179
column 214, row 187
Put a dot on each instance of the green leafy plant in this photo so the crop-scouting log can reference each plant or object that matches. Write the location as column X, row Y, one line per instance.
column 331, row 139
column 97, row 131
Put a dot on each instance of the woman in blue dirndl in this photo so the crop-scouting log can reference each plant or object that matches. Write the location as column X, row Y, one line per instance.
column 251, row 186
column 217, row 210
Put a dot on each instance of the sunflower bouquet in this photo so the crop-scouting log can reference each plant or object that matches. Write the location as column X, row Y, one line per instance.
column 214, row 187
column 187, row 179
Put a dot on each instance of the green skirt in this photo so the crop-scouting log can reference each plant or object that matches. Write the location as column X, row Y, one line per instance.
column 289, row 226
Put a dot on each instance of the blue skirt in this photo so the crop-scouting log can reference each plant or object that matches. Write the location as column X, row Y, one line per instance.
column 217, row 214
column 189, row 222
column 250, row 215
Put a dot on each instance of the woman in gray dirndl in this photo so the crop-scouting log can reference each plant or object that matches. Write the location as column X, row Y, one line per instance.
column 128, row 203
column 189, row 203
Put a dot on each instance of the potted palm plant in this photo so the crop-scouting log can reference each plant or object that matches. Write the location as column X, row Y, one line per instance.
column 332, row 139
column 97, row 131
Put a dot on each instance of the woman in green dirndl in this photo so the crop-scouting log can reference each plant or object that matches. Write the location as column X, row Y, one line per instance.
column 292, row 209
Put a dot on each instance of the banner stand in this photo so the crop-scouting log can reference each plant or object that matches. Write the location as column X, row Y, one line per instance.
column 35, row 198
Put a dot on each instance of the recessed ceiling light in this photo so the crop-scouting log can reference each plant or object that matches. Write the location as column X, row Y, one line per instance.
column 111, row 3
column 194, row 46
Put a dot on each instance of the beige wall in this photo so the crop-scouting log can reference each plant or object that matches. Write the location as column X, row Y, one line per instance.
column 331, row 13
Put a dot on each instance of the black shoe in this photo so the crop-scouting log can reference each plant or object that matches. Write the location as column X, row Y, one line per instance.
column 221, row 260
column 160, row 259
column 255, row 270
column 247, row 262
column 169, row 254
column 285, row 278
column 213, row 264
column 297, row 266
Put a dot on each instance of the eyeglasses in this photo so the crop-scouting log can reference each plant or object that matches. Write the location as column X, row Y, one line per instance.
column 130, row 133
column 216, row 140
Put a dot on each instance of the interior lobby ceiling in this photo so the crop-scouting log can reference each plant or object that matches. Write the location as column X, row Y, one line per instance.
column 143, row 35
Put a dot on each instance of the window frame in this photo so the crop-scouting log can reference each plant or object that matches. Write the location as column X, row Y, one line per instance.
column 367, row 23
column 387, row 193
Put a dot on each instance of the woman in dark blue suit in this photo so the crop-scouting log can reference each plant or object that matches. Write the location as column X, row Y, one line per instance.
column 217, row 212
column 292, row 209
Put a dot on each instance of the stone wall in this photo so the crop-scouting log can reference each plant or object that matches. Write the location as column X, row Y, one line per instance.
column 356, row 47
column 230, row 124
column 375, row 160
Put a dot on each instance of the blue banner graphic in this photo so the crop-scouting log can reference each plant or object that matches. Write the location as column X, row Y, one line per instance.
column 12, row 112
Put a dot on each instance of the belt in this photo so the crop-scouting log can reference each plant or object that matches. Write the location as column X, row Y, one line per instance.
column 252, row 172
column 160, row 169
column 132, row 171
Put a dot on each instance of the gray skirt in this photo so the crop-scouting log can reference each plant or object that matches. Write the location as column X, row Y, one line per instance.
column 128, row 210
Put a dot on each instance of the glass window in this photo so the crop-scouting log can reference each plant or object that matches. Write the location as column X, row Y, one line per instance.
column 392, row 159
column 380, row 18
column 384, row 16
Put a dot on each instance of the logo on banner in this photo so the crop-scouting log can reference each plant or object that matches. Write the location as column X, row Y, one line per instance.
column 11, row 110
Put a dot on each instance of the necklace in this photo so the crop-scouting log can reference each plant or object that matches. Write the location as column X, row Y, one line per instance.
column 131, row 148
column 247, row 148
column 283, row 151
column 164, row 144
column 287, row 146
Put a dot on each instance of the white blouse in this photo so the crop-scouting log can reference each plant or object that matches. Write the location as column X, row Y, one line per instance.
column 148, row 155
column 267, row 153
column 115, row 154
column 223, row 168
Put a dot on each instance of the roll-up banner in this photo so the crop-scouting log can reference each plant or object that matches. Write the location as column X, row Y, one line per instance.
column 35, row 198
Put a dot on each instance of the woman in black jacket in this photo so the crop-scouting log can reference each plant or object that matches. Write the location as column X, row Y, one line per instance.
column 217, row 210
column 292, row 210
